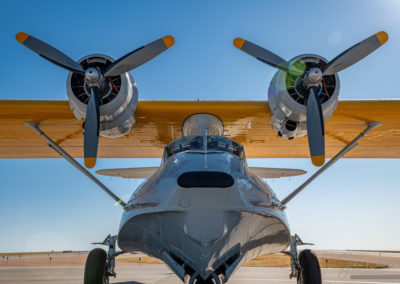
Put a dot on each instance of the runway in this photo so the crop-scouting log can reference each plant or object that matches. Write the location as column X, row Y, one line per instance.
column 157, row 274
column 392, row 260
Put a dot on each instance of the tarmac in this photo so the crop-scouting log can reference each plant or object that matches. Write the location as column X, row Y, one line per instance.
column 159, row 273
column 69, row 269
column 392, row 260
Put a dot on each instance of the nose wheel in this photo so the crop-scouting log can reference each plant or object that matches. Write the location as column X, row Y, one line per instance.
column 304, row 265
column 213, row 279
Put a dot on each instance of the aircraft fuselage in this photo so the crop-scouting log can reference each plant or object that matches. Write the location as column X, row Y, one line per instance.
column 203, row 212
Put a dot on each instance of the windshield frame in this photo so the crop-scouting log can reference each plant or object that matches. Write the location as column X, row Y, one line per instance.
column 196, row 144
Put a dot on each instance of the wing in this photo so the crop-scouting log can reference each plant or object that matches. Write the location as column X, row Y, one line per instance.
column 160, row 122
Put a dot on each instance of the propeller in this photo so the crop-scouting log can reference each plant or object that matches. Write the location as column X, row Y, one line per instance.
column 95, row 78
column 267, row 56
column 312, row 79
column 355, row 53
column 91, row 129
column 139, row 56
column 315, row 128
column 48, row 52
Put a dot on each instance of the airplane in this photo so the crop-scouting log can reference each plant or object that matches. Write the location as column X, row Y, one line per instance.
column 203, row 211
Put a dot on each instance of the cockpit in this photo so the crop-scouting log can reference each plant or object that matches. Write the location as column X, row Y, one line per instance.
column 203, row 144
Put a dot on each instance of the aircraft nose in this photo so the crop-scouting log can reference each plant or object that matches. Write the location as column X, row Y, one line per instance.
column 205, row 228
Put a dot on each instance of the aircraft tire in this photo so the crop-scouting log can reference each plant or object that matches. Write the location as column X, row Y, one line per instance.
column 213, row 279
column 310, row 269
column 95, row 268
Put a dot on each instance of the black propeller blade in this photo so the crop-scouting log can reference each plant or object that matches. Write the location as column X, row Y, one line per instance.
column 139, row 56
column 92, row 129
column 315, row 128
column 266, row 56
column 48, row 52
column 355, row 53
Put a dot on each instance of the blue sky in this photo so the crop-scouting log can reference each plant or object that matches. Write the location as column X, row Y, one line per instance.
column 46, row 204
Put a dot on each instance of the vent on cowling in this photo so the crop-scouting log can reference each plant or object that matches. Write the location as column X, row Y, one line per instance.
column 205, row 179
column 299, row 92
column 80, row 88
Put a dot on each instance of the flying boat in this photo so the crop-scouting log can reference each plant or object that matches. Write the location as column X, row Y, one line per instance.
column 203, row 211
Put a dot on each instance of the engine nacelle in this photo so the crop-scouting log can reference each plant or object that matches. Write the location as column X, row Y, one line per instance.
column 287, row 98
column 118, row 100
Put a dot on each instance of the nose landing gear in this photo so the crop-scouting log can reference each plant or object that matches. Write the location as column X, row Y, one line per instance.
column 304, row 265
column 213, row 279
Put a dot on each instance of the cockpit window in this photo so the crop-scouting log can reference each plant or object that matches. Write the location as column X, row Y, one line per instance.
column 196, row 143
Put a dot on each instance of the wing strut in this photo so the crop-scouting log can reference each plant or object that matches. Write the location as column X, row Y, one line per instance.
column 65, row 155
column 353, row 144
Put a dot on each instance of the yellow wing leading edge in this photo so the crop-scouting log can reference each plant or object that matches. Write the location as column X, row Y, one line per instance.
column 160, row 122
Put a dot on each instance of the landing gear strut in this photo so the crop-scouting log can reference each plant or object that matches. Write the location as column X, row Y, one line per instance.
column 213, row 279
column 304, row 265
column 100, row 264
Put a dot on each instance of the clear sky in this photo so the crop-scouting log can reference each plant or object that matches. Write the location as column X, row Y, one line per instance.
column 47, row 204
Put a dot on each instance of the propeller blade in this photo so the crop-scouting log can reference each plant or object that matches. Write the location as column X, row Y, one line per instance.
column 92, row 127
column 139, row 56
column 266, row 56
column 315, row 128
column 355, row 53
column 48, row 52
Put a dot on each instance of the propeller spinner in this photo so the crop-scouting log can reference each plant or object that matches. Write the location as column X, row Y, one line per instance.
column 95, row 79
column 312, row 80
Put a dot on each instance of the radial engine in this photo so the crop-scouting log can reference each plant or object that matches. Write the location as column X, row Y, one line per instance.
column 117, row 99
column 287, row 97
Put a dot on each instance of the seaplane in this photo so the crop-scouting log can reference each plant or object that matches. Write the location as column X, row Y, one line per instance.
column 203, row 211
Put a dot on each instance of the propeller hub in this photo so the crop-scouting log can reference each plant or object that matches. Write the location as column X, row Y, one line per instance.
column 314, row 76
column 92, row 76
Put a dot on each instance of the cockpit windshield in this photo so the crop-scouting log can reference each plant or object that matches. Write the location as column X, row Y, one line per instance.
column 203, row 144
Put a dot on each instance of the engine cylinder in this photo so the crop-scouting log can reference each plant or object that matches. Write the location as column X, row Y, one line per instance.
column 118, row 97
column 287, row 97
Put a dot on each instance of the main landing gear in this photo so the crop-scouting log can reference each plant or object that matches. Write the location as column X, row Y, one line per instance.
column 100, row 264
column 305, row 266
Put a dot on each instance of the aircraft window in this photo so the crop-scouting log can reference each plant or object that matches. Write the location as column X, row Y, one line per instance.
column 196, row 143
column 180, row 145
column 205, row 179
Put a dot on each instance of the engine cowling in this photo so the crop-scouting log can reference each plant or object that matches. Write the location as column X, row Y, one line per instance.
column 118, row 100
column 287, row 97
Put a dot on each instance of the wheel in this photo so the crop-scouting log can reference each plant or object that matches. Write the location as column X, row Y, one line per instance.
column 95, row 268
column 202, row 281
column 213, row 279
column 310, row 270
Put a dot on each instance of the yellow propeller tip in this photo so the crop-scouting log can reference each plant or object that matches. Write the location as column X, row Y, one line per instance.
column 169, row 41
column 382, row 37
column 238, row 42
column 21, row 37
column 90, row 162
column 318, row 160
